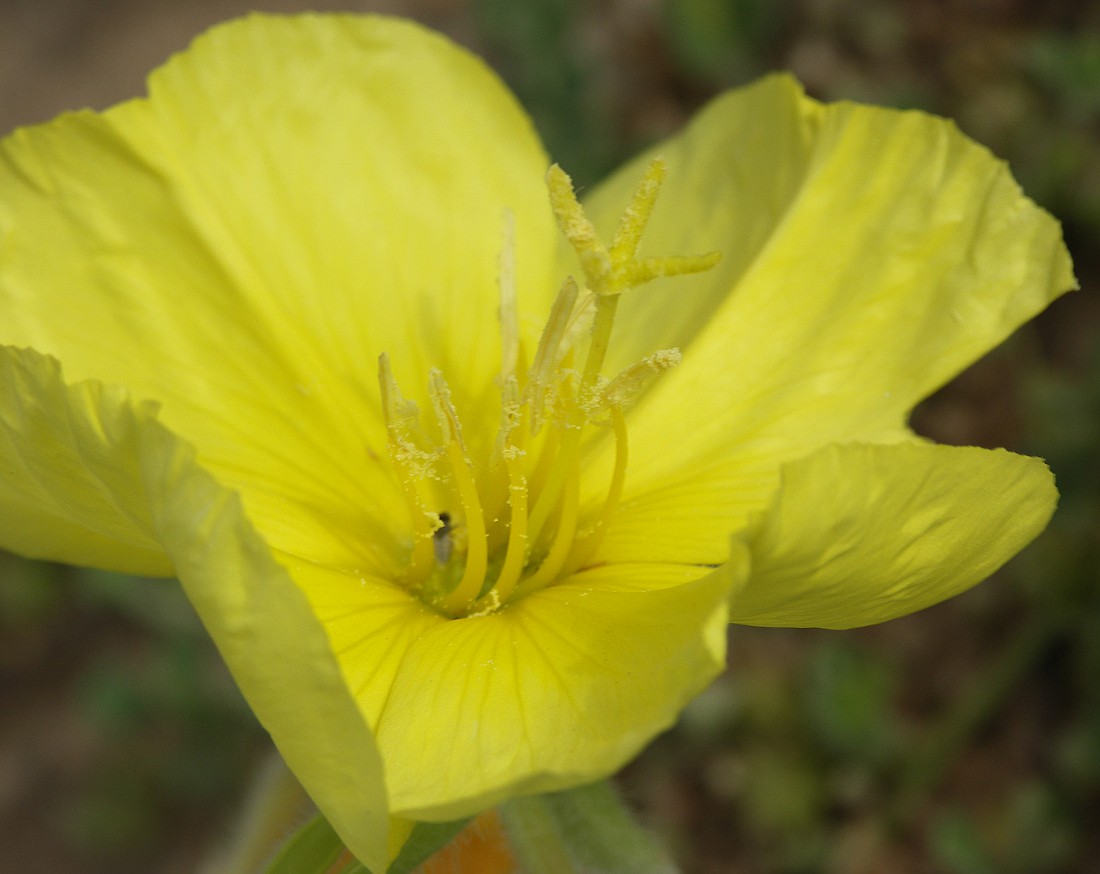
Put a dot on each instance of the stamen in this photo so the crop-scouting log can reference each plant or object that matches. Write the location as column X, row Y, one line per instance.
column 544, row 463
column 580, row 321
column 564, row 464
column 516, row 554
column 552, row 565
column 546, row 354
column 510, row 442
column 445, row 413
column 621, row 392
column 400, row 414
column 586, row 545
column 538, row 477
column 511, row 414
column 477, row 549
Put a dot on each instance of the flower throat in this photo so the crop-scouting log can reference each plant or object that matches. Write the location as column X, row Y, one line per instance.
column 515, row 523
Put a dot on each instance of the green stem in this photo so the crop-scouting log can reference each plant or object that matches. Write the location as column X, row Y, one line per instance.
column 275, row 806
column 581, row 831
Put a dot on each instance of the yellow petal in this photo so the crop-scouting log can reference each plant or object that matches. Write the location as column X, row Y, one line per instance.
column 559, row 688
column 860, row 534
column 733, row 173
column 92, row 478
column 70, row 476
column 868, row 255
column 273, row 644
column 296, row 196
column 687, row 518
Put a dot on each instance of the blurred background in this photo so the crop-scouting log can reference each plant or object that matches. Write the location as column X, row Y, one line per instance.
column 963, row 740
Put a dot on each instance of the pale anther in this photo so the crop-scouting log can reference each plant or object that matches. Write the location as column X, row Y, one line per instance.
column 547, row 353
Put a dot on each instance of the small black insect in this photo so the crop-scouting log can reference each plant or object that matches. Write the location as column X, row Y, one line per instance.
column 441, row 538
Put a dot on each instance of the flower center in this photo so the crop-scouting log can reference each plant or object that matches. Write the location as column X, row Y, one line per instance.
column 516, row 525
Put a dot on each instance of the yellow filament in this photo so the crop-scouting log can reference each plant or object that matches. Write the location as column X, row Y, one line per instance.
column 567, row 458
column 585, row 546
column 516, row 555
column 477, row 549
column 564, row 463
column 546, row 454
column 551, row 391
column 552, row 565
column 618, row 477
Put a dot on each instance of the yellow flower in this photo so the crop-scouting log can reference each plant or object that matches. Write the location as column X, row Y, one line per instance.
column 457, row 540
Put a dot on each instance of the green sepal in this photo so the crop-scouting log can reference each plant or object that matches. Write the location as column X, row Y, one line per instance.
column 427, row 838
column 315, row 849
column 587, row 830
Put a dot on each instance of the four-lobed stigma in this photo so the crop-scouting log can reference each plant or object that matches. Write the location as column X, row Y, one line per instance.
column 486, row 534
